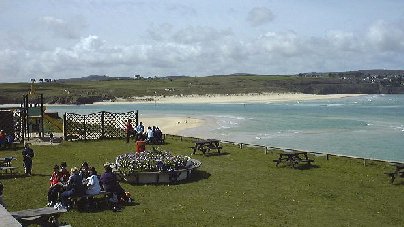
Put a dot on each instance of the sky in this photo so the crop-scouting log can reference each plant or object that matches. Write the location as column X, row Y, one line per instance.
column 55, row 39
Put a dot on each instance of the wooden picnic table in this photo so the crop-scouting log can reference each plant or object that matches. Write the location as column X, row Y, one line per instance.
column 6, row 219
column 293, row 158
column 399, row 171
column 6, row 161
column 206, row 145
column 5, row 164
column 46, row 216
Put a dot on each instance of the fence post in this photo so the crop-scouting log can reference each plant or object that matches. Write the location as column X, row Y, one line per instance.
column 102, row 125
column 85, row 128
column 64, row 127
column 266, row 150
column 137, row 117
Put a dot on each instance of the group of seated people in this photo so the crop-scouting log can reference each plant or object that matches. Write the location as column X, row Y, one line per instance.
column 5, row 139
column 79, row 182
column 153, row 135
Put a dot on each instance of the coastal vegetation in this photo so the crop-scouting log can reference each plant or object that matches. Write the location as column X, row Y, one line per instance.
column 241, row 187
column 93, row 89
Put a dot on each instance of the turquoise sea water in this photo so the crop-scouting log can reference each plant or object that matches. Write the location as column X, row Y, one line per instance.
column 370, row 126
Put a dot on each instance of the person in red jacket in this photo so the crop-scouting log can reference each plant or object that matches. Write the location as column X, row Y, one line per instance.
column 64, row 172
column 55, row 187
column 129, row 130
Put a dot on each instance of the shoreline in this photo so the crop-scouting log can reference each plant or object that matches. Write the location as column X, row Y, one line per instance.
column 182, row 125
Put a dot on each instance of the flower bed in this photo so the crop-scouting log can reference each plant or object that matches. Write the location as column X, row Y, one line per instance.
column 155, row 167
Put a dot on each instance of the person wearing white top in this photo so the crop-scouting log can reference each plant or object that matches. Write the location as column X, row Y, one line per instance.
column 93, row 183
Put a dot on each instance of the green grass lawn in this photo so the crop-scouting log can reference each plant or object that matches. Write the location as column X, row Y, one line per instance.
column 242, row 187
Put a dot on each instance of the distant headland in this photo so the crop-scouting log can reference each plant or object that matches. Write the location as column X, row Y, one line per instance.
column 101, row 88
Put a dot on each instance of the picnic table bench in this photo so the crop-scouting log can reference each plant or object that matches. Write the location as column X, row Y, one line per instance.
column 6, row 161
column 5, row 164
column 293, row 158
column 46, row 216
column 399, row 172
column 103, row 195
column 206, row 145
column 6, row 219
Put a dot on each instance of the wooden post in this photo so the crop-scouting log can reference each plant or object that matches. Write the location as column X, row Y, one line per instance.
column 328, row 156
column 137, row 117
column 241, row 145
column 102, row 125
column 85, row 127
column 364, row 162
column 266, row 150
column 42, row 130
column 64, row 127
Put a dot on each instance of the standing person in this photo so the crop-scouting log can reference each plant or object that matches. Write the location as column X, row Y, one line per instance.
column 28, row 154
column 129, row 130
column 51, row 138
column 2, row 138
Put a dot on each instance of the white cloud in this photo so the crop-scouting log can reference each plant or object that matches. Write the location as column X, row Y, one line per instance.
column 285, row 44
column 386, row 36
column 203, row 50
column 259, row 16
column 64, row 29
column 198, row 34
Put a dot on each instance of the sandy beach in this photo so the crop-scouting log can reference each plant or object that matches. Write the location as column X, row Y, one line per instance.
column 172, row 125
column 177, row 125
column 239, row 98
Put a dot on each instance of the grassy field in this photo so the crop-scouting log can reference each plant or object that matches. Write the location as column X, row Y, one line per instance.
column 242, row 187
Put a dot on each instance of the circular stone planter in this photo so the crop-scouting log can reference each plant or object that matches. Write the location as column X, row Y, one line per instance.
column 162, row 176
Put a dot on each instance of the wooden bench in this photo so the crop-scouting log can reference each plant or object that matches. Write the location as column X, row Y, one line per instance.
column 6, row 161
column 206, row 145
column 399, row 171
column 308, row 161
column 7, row 168
column 103, row 195
column 218, row 148
column 47, row 216
column 394, row 175
column 293, row 158
column 6, row 219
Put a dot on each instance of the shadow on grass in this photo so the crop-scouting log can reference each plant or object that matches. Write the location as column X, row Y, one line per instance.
column 12, row 176
column 217, row 154
column 212, row 154
column 397, row 182
column 96, row 208
column 306, row 167
column 195, row 176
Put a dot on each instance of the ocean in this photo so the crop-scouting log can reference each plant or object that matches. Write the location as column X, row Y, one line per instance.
column 369, row 126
